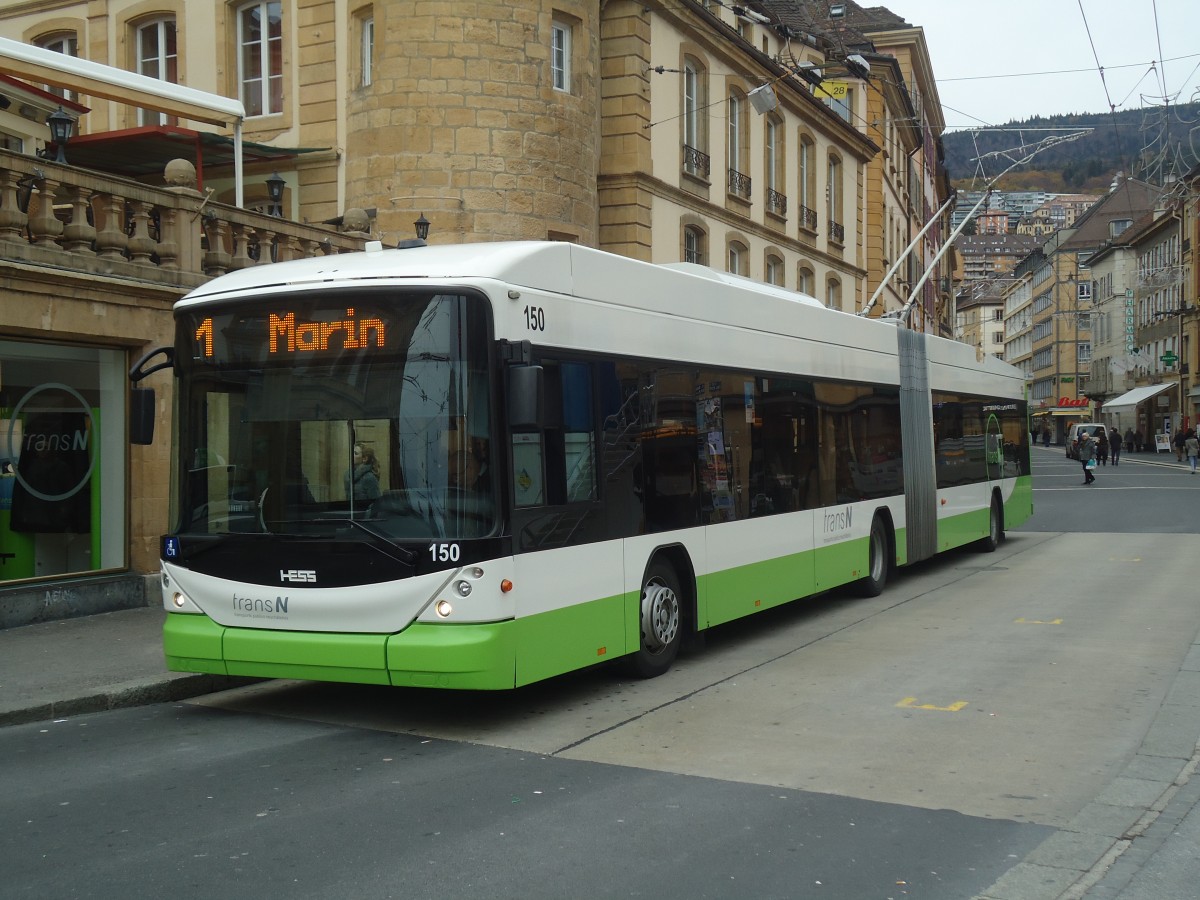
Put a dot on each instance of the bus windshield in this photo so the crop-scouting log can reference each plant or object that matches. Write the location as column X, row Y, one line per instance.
column 358, row 414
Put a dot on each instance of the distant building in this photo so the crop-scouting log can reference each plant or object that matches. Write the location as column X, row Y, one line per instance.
column 988, row 255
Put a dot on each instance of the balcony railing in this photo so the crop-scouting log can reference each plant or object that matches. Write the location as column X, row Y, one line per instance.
column 739, row 184
column 837, row 232
column 55, row 215
column 808, row 218
column 776, row 202
column 695, row 162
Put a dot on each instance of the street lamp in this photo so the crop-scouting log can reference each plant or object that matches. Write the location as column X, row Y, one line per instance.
column 275, row 186
column 422, row 226
column 61, row 126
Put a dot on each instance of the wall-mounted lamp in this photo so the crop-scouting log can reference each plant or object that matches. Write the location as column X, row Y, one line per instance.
column 62, row 126
column 422, row 226
column 275, row 185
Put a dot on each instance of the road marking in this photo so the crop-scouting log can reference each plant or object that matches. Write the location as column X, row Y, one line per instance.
column 1025, row 621
column 911, row 703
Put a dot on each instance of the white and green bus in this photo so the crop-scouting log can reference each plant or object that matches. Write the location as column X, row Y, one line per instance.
column 480, row 466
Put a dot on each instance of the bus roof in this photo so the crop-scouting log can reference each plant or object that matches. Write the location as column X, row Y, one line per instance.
column 678, row 289
column 542, row 265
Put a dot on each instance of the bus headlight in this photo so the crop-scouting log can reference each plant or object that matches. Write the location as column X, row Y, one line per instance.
column 443, row 608
column 178, row 600
column 463, row 588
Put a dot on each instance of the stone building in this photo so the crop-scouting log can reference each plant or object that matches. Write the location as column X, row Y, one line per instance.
column 664, row 131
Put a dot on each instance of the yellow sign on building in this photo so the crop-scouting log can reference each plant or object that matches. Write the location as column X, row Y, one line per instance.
column 834, row 90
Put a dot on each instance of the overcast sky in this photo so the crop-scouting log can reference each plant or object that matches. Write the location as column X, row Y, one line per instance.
column 970, row 39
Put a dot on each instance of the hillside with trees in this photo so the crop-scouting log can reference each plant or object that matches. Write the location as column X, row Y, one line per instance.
column 1147, row 143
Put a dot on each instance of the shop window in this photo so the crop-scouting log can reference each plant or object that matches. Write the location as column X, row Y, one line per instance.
column 62, row 460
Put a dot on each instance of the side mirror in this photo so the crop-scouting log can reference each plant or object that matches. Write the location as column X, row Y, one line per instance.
column 141, row 415
column 526, row 398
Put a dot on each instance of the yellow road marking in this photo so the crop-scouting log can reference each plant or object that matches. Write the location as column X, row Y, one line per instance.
column 1025, row 621
column 911, row 703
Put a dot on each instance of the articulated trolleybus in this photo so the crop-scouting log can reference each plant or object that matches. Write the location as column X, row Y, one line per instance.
column 480, row 466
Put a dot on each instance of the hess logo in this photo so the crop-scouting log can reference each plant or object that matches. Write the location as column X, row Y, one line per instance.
column 297, row 575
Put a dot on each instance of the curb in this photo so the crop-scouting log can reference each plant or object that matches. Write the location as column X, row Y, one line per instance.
column 122, row 696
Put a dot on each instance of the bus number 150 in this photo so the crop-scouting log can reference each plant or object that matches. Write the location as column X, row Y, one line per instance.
column 444, row 552
column 535, row 318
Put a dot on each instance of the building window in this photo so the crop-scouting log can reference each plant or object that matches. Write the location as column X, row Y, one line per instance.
column 738, row 258
column 833, row 294
column 774, row 270
column 805, row 281
column 739, row 180
column 693, row 245
column 368, row 50
column 695, row 136
column 66, row 44
column 260, row 57
column 808, row 215
column 842, row 106
column 156, row 58
column 833, row 192
column 560, row 56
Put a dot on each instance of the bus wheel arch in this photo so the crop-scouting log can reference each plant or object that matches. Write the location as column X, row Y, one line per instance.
column 666, row 612
column 881, row 555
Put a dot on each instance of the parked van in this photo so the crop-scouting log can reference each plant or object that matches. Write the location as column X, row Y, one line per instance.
column 1073, row 435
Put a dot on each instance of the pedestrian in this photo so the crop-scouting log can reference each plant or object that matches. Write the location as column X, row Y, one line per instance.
column 1045, row 435
column 1180, row 437
column 1137, row 440
column 1192, row 446
column 1114, row 446
column 1102, row 446
column 1087, row 454
column 1129, row 440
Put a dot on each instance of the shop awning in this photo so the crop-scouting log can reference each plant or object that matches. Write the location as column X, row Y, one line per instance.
column 1130, row 399
column 137, row 152
column 1073, row 411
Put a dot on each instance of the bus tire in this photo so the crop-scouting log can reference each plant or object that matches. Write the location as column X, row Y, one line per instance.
column 872, row 584
column 660, row 622
column 995, row 533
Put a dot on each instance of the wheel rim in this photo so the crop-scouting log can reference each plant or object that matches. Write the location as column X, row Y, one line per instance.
column 660, row 616
column 877, row 554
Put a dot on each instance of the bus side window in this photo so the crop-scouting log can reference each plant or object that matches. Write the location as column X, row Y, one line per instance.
column 558, row 465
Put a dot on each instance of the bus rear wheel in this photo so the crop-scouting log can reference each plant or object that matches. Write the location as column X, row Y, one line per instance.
column 660, row 618
column 995, row 528
column 872, row 584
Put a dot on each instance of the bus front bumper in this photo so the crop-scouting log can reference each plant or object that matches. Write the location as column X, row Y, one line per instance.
column 465, row 657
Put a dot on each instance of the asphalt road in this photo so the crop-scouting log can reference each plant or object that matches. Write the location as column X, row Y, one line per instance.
column 919, row 744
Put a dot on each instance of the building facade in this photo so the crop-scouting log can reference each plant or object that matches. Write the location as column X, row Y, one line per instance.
column 662, row 131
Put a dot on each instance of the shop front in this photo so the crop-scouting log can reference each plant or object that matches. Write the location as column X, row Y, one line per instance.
column 1149, row 411
column 1056, row 419
column 62, row 461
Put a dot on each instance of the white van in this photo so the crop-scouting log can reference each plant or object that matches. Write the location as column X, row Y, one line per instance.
column 1092, row 428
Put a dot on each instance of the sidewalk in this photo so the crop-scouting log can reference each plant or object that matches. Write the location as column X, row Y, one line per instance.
column 91, row 663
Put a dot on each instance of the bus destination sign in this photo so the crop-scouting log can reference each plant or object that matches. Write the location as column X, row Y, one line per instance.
column 283, row 333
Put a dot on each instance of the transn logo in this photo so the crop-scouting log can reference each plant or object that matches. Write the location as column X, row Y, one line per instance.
column 297, row 575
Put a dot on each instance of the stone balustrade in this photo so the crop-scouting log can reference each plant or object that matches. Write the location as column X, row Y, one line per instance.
column 90, row 222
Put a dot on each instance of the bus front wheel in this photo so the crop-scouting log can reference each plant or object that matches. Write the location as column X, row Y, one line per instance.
column 660, row 618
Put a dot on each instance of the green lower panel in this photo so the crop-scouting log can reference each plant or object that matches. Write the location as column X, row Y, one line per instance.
column 193, row 644
column 358, row 658
column 572, row 638
column 743, row 590
column 955, row 531
column 842, row 563
column 468, row 657
column 1019, row 507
